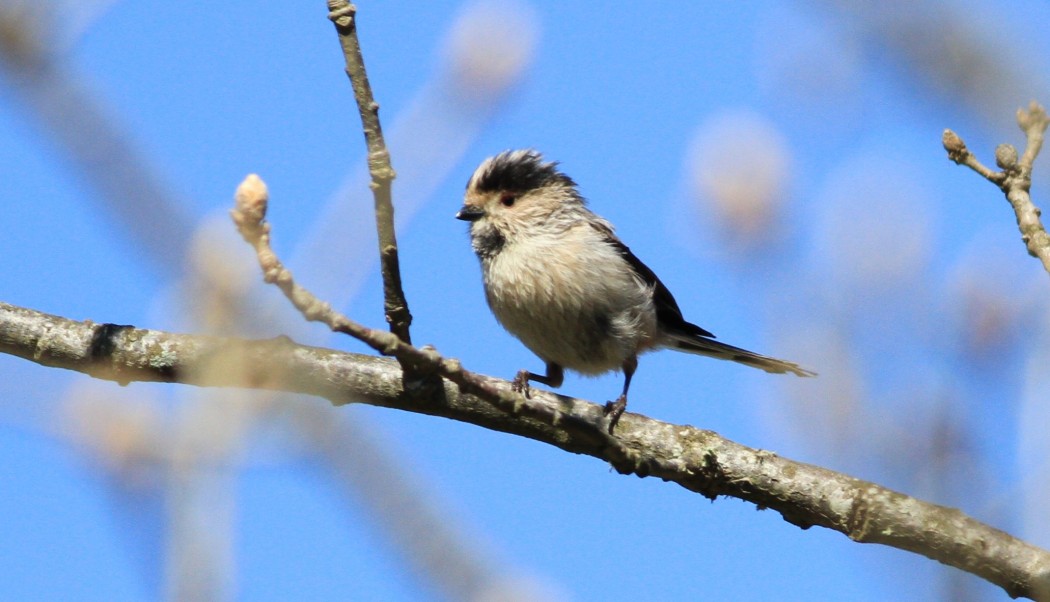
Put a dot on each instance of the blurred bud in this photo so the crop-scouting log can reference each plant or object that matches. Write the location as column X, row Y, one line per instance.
column 1034, row 115
column 490, row 46
column 986, row 303
column 23, row 34
column 825, row 413
column 125, row 436
column 811, row 65
column 987, row 318
column 739, row 169
column 876, row 228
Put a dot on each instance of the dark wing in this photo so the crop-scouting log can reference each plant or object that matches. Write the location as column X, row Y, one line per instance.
column 688, row 337
column 668, row 313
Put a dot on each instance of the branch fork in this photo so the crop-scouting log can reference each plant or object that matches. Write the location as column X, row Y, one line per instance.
column 1015, row 179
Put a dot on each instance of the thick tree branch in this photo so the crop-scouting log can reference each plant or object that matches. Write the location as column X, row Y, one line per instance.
column 1015, row 179
column 699, row 460
column 343, row 15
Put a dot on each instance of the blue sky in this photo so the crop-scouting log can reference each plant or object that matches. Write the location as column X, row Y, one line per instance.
column 778, row 164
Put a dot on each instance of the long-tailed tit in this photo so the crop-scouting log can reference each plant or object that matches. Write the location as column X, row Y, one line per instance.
column 558, row 278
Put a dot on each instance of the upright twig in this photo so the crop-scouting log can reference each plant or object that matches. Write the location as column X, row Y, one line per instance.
column 343, row 15
column 1015, row 179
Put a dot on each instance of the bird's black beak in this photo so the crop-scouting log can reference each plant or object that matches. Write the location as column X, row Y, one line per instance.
column 469, row 213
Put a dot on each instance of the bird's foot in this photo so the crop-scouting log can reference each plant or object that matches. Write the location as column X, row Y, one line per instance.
column 615, row 409
column 520, row 384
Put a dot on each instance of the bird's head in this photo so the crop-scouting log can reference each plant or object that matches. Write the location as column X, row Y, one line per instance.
column 517, row 194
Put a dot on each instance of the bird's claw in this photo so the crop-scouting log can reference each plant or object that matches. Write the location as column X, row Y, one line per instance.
column 520, row 384
column 615, row 409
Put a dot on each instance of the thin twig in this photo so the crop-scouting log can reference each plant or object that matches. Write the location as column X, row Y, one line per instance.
column 249, row 215
column 698, row 460
column 343, row 15
column 1015, row 179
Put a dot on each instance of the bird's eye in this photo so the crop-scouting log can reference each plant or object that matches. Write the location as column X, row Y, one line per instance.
column 507, row 199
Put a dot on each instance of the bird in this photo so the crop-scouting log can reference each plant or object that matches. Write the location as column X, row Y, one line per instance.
column 558, row 278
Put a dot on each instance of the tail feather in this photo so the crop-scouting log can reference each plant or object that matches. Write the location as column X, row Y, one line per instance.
column 712, row 348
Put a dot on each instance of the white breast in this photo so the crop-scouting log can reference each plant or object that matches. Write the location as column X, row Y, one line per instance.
column 572, row 300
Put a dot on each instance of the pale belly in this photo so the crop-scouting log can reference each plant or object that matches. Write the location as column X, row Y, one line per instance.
column 588, row 317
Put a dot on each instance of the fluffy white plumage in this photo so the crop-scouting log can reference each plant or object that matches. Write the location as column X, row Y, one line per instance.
column 558, row 278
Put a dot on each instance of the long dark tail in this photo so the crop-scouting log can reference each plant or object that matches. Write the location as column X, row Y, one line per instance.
column 711, row 348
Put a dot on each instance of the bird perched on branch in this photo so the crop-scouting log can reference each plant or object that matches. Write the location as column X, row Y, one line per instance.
column 558, row 279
